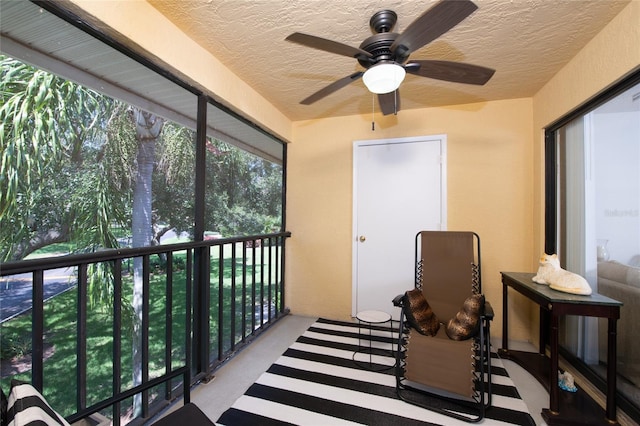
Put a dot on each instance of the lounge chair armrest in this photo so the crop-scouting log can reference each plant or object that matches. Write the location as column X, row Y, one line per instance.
column 397, row 301
column 488, row 310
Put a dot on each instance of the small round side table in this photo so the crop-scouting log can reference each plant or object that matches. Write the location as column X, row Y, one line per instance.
column 371, row 318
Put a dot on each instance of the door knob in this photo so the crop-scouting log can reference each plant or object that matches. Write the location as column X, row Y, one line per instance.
column 362, row 238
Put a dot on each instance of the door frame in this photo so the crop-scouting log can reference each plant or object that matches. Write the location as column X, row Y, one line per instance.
column 442, row 138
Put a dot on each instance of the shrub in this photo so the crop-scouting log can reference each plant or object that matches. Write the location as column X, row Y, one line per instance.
column 12, row 346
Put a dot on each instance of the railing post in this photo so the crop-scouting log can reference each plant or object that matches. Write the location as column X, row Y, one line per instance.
column 253, row 287
column 261, row 282
column 277, row 274
column 201, row 311
column 146, row 270
column 37, row 330
column 168, row 328
column 220, row 326
column 232, row 319
column 269, row 279
column 282, row 280
column 117, row 337
column 244, row 289
column 187, row 327
column 81, row 327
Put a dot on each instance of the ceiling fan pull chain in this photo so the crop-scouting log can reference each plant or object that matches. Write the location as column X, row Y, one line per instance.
column 395, row 102
column 373, row 107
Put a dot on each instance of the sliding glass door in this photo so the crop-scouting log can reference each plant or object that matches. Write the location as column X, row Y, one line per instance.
column 594, row 158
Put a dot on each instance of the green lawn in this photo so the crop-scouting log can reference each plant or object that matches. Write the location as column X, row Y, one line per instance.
column 60, row 368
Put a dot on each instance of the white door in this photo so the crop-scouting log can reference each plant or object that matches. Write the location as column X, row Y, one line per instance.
column 399, row 190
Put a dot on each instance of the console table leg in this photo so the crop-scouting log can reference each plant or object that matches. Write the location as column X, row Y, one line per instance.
column 553, row 373
column 611, row 371
column 542, row 339
column 505, row 318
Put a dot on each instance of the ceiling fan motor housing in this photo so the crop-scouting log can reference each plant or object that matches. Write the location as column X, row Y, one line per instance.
column 379, row 46
column 383, row 21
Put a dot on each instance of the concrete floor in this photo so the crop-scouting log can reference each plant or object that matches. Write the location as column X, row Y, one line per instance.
column 233, row 379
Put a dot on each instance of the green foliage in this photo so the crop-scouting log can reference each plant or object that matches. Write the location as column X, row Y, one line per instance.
column 68, row 162
column 240, row 218
column 244, row 192
column 14, row 345
column 53, row 250
column 43, row 119
column 120, row 149
column 159, row 264
column 177, row 155
column 50, row 136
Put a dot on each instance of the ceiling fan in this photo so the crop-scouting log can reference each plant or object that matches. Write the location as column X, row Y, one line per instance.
column 384, row 55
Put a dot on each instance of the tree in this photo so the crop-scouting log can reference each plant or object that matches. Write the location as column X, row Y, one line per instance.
column 148, row 128
column 174, row 186
column 244, row 192
column 49, row 127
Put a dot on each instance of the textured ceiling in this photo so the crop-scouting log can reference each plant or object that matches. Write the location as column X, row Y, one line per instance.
column 525, row 41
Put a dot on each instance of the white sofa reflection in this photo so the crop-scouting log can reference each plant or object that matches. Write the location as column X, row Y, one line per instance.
column 622, row 282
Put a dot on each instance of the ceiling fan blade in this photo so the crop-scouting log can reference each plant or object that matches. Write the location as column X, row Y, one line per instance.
column 430, row 25
column 336, row 85
column 389, row 102
column 457, row 72
column 328, row 45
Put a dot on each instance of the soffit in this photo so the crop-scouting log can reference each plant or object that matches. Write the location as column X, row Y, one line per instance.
column 42, row 39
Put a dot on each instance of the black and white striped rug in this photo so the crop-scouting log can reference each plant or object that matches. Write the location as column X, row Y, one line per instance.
column 316, row 382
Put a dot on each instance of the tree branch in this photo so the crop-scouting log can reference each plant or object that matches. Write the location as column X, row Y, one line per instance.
column 41, row 239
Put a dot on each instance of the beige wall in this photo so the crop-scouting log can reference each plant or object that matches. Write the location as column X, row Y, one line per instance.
column 495, row 178
column 610, row 56
column 489, row 191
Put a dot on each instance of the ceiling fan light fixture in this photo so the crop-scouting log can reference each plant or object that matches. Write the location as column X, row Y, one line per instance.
column 384, row 78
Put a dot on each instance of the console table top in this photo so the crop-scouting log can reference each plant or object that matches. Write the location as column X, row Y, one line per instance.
column 524, row 279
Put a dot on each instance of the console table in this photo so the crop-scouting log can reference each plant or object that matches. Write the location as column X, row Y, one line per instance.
column 568, row 408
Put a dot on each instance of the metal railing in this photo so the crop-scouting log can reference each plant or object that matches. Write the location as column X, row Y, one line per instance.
column 200, row 304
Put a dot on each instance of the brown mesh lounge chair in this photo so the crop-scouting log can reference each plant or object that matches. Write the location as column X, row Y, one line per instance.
column 449, row 376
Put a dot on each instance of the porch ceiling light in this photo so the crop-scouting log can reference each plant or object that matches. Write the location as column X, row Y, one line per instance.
column 384, row 77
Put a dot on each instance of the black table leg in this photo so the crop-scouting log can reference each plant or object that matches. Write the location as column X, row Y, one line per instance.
column 553, row 374
column 611, row 371
column 505, row 318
